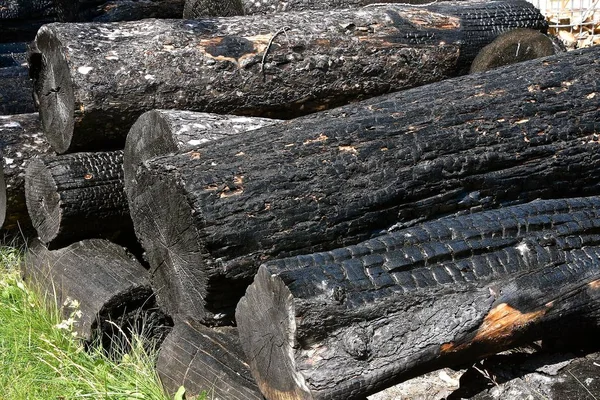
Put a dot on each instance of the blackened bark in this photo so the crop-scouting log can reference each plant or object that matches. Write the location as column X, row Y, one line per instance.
column 226, row 8
column 94, row 81
column 160, row 132
column 204, row 359
column 338, row 177
column 102, row 287
column 78, row 196
column 21, row 139
column 16, row 91
column 442, row 293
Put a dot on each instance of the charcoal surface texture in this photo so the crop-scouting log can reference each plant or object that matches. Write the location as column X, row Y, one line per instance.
column 226, row 8
column 339, row 177
column 442, row 293
column 21, row 139
column 78, row 196
column 16, row 91
column 94, row 80
column 160, row 132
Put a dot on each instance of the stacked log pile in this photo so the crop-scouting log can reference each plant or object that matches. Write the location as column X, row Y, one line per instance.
column 368, row 232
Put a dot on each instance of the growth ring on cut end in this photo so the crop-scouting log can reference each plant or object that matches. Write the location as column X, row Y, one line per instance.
column 53, row 86
column 43, row 201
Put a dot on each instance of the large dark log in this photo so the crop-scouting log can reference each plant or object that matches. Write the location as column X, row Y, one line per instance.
column 16, row 91
column 203, row 359
column 160, row 132
column 21, row 139
column 352, row 321
column 94, row 81
column 336, row 178
column 78, row 196
column 101, row 287
column 195, row 9
column 21, row 19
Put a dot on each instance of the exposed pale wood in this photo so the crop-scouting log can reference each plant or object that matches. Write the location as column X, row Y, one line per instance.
column 109, row 288
column 339, row 177
column 94, row 81
column 203, row 359
column 160, row 132
column 21, row 139
column 352, row 321
column 78, row 196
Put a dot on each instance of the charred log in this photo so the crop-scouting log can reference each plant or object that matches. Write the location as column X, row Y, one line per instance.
column 443, row 293
column 227, row 8
column 306, row 62
column 78, row 196
column 114, row 297
column 16, row 91
column 160, row 132
column 338, row 177
column 205, row 359
column 21, row 139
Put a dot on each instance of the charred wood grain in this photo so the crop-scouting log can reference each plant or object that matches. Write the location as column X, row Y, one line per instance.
column 16, row 91
column 226, row 8
column 160, row 132
column 339, row 177
column 78, row 196
column 443, row 293
column 101, row 287
column 21, row 139
column 94, row 81
column 204, row 359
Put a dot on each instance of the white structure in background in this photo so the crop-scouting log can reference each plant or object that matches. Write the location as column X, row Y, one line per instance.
column 576, row 22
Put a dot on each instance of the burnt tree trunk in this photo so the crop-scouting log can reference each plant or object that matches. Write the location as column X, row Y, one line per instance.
column 352, row 321
column 94, row 81
column 336, row 178
column 205, row 359
column 21, row 19
column 228, row 8
column 160, row 132
column 16, row 91
column 21, row 139
column 102, row 287
column 78, row 196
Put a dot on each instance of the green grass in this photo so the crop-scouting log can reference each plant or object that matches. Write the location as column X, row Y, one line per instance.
column 39, row 358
